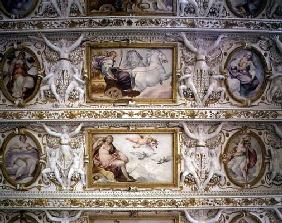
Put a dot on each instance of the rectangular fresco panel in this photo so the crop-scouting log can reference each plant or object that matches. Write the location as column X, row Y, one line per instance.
column 121, row 72
column 125, row 7
column 122, row 158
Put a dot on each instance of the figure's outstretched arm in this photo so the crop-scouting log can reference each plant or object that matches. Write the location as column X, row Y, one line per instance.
column 76, row 43
column 52, row 218
column 215, row 133
column 76, row 131
column 277, row 130
column 50, row 132
column 273, row 76
column 215, row 218
column 187, row 131
column 189, row 218
column 184, row 77
column 279, row 214
column 51, row 45
column 217, row 42
column 278, row 43
column 76, row 217
column 188, row 44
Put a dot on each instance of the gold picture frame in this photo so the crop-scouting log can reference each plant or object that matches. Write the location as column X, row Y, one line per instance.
column 9, row 10
column 249, row 151
column 20, row 75
column 244, row 82
column 110, row 84
column 21, row 152
column 104, row 173
column 149, row 218
column 95, row 8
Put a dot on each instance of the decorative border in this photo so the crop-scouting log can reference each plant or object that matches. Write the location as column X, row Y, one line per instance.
column 154, row 113
column 173, row 184
column 150, row 45
column 138, row 23
column 134, row 204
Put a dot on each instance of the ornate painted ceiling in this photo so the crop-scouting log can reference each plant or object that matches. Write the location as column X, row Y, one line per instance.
column 147, row 111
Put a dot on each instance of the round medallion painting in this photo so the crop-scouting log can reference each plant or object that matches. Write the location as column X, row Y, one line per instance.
column 244, row 158
column 20, row 162
column 243, row 8
column 246, row 74
column 19, row 74
column 18, row 8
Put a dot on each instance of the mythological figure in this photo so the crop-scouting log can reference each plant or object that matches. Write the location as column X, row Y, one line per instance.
column 201, row 66
column 186, row 82
column 75, row 167
column 49, row 82
column 65, row 137
column 66, row 218
column 76, row 83
column 53, row 157
column 64, row 51
column 203, row 219
column 201, row 134
column 215, row 86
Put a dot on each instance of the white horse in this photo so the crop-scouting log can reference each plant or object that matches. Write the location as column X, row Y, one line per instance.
column 152, row 74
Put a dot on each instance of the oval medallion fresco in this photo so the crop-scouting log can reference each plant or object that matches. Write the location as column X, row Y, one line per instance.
column 246, row 8
column 18, row 8
column 246, row 74
column 20, row 75
column 20, row 158
column 244, row 161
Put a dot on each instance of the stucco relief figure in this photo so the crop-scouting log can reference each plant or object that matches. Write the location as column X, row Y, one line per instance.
column 52, row 167
column 53, row 4
column 65, row 218
column 203, row 219
column 190, row 167
column 49, row 82
column 201, row 134
column 215, row 167
column 184, row 3
column 65, row 137
column 215, row 86
column 186, row 82
column 278, row 131
column 77, row 3
column 76, row 166
column 201, row 67
column 76, row 83
column 64, row 52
